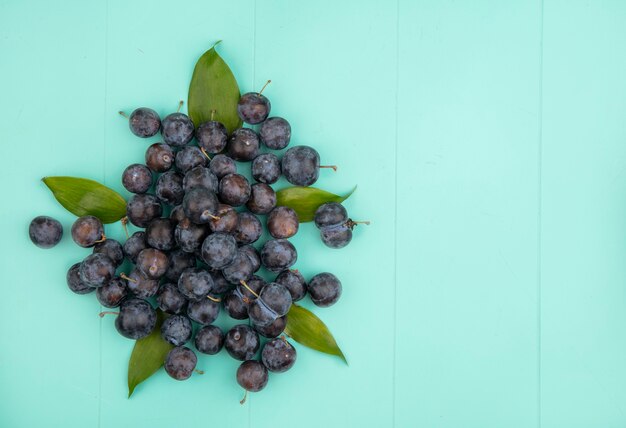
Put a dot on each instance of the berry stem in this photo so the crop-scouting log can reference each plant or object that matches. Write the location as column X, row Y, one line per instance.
column 121, row 113
column 214, row 299
column 204, row 151
column 213, row 115
column 123, row 275
column 180, row 105
column 124, row 221
column 351, row 223
column 104, row 238
column 214, row 217
column 264, row 86
column 245, row 396
column 334, row 167
column 198, row 371
column 102, row 314
column 242, row 282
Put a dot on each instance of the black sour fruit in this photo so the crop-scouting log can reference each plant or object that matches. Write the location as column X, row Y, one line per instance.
column 266, row 168
column 134, row 245
column 169, row 188
column 275, row 133
column 180, row 363
column 243, row 145
column 253, row 107
column 160, row 234
column 159, row 157
column 262, row 199
column 74, row 282
column 278, row 254
column 249, row 229
column 212, row 136
column 140, row 285
column 252, row 376
column 330, row 214
column 225, row 221
column 276, row 297
column 136, row 320
column 282, row 223
column 190, row 157
column 220, row 285
column 241, row 342
column 177, row 214
column 274, row 329
column 209, row 340
column 204, row 311
column 200, row 176
column 253, row 255
column 177, row 129
column 152, row 263
column 222, row 165
column 144, row 122
column 335, row 226
column 45, row 232
column 294, row 282
column 137, row 178
column 87, row 231
column 176, row 330
column 112, row 294
column 179, row 261
column 324, row 289
column 301, row 165
column 112, row 249
column 240, row 269
column 195, row 283
column 170, row 300
column 200, row 205
column 97, row 270
column 219, row 250
column 278, row 355
column 141, row 209
column 234, row 190
column 190, row 235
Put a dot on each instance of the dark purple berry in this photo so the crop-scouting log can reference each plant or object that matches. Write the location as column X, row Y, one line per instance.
column 262, row 199
column 134, row 245
column 301, row 165
column 294, row 282
column 152, row 263
column 137, row 178
column 45, row 232
column 209, row 340
column 177, row 129
column 141, row 209
column 112, row 294
column 112, row 249
column 324, row 289
column 234, row 190
column 144, row 122
column 278, row 254
column 282, row 222
column 336, row 236
column 75, row 283
column 190, row 236
column 97, row 270
column 274, row 329
column 249, row 229
column 142, row 286
column 179, row 261
column 219, row 250
column 222, row 165
column 275, row 133
column 253, row 255
column 190, row 157
column 160, row 234
column 204, row 311
column 159, row 157
column 330, row 214
column 276, row 297
column 195, row 283
column 241, row 342
column 234, row 305
column 253, row 108
column 170, row 300
column 278, row 355
column 266, row 168
column 220, row 285
column 87, row 231
column 243, row 145
column 177, row 214
column 226, row 219
column 180, row 363
column 212, row 136
column 252, row 376
column 176, row 330
column 136, row 320
column 200, row 205
column 169, row 188
column 200, row 177
column 240, row 269
column 260, row 314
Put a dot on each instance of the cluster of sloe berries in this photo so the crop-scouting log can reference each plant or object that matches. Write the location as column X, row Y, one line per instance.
column 196, row 257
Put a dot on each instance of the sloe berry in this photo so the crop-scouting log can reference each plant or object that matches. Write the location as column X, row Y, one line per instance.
column 142, row 286
column 209, row 340
column 275, row 133
column 282, row 222
column 97, row 270
column 177, row 214
column 134, row 245
column 278, row 355
column 274, row 329
column 160, row 234
column 219, row 250
column 243, row 145
column 301, row 165
column 144, row 122
column 212, row 136
column 169, row 188
column 136, row 320
column 74, row 282
column 200, row 176
column 226, row 219
column 190, row 157
column 294, row 282
column 152, row 263
column 195, row 283
column 141, row 209
column 177, row 129
column 112, row 249
column 254, row 256
column 262, row 199
column 87, row 231
column 170, row 300
column 176, row 330
column 159, row 157
column 249, row 229
column 45, row 232
column 200, row 205
column 137, row 178
column 220, row 285
column 190, row 236
column 252, row 376
column 240, row 269
column 204, row 311
column 112, row 294
column 266, row 168
column 324, row 289
column 222, row 165
column 234, row 190
column 241, row 342
column 278, row 254
column 180, row 363
column 253, row 108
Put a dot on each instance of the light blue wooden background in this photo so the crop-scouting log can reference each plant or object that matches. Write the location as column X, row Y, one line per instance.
column 488, row 140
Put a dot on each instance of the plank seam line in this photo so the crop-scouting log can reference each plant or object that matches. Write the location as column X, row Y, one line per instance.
column 395, row 225
column 539, row 214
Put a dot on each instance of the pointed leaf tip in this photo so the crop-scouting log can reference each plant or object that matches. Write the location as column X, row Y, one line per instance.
column 306, row 200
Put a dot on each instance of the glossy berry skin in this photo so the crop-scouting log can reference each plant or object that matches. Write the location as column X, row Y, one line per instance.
column 195, row 283
column 97, row 270
column 240, row 269
column 275, row 133
column 278, row 355
column 179, row 261
column 176, row 330
column 134, row 245
column 87, row 230
column 278, row 255
column 200, row 176
column 112, row 294
column 282, row 223
column 209, row 340
column 169, row 188
column 274, row 329
column 144, row 122
column 189, row 236
column 253, row 255
column 234, row 305
column 324, row 289
column 141, row 209
column 260, row 314
column 177, row 214
column 243, row 145
column 190, row 157
column 212, row 136
column 266, row 168
column 330, row 214
column 112, row 249
column 160, row 234
column 200, row 205
column 219, row 250
column 234, row 190
column 226, row 221
column 152, row 263
column 170, row 300
column 220, row 285
column 180, row 363
column 253, row 108
column 142, row 286
column 277, row 298
column 336, row 236
column 204, row 311
column 262, row 199
column 159, row 157
column 137, row 178
column 301, row 165
column 177, row 129
column 249, row 229
column 294, row 282
column 241, row 342
column 252, row 376
column 74, row 282
column 45, row 232
column 136, row 320
column 222, row 165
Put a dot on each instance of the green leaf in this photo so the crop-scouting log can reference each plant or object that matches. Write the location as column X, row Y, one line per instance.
column 306, row 328
column 213, row 88
column 148, row 356
column 305, row 200
column 81, row 196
